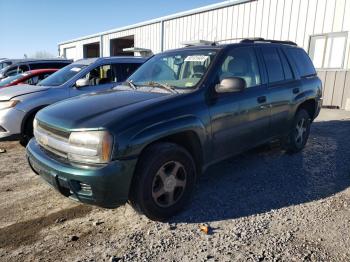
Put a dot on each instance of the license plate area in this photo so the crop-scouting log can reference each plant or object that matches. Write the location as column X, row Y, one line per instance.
column 49, row 177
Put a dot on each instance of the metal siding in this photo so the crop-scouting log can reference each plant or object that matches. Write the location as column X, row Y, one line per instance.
column 286, row 19
column 310, row 22
column 279, row 19
column 319, row 21
column 329, row 16
column 339, row 15
column 272, row 19
column 328, row 88
column 294, row 20
column 259, row 17
column 346, row 92
column 302, row 16
column 338, row 88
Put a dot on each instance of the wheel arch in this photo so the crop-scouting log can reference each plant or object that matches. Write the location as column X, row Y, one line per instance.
column 30, row 113
column 310, row 106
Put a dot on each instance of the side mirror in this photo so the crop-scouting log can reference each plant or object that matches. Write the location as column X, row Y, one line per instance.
column 231, row 85
column 82, row 82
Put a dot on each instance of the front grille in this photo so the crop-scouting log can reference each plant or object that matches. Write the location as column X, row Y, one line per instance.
column 53, row 141
column 53, row 131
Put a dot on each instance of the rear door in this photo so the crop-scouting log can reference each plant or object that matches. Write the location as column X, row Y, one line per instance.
column 239, row 120
column 283, row 86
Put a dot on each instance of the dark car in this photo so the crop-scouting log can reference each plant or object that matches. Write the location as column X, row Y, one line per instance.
column 5, row 62
column 183, row 110
column 31, row 77
column 23, row 65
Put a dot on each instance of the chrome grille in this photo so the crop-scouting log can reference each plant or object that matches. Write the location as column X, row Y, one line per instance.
column 52, row 140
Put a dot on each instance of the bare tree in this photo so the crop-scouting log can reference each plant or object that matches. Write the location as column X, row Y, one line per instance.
column 42, row 54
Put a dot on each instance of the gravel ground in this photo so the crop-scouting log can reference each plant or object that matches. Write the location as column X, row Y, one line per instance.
column 262, row 205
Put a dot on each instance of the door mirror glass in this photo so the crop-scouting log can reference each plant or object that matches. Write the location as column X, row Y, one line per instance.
column 82, row 82
column 231, row 85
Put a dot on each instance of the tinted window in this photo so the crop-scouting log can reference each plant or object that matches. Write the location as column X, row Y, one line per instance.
column 288, row 74
column 241, row 62
column 123, row 71
column 302, row 61
column 273, row 64
column 47, row 65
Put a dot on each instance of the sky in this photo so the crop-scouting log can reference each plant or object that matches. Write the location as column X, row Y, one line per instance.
column 30, row 26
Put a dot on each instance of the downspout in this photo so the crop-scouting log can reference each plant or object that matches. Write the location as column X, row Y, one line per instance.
column 162, row 35
column 101, row 45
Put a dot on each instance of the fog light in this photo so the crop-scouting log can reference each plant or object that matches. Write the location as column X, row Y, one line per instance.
column 85, row 187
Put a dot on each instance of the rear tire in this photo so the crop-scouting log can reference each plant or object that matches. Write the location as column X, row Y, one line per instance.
column 164, row 180
column 299, row 134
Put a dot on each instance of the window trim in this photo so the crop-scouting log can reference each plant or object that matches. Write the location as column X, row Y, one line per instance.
column 326, row 36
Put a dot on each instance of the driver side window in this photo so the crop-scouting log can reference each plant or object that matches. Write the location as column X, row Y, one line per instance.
column 241, row 62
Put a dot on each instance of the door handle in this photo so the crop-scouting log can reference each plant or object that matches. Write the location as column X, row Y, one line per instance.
column 261, row 99
column 296, row 90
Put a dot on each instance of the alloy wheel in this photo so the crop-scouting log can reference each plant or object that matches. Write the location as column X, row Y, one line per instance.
column 169, row 184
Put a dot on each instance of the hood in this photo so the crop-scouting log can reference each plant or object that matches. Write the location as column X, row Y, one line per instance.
column 94, row 110
column 10, row 92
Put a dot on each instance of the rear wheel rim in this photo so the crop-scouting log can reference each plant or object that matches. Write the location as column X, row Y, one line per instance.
column 169, row 184
column 301, row 131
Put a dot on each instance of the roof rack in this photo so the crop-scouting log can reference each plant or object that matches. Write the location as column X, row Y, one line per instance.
column 197, row 43
column 262, row 40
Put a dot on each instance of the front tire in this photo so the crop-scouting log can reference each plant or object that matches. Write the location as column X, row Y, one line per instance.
column 164, row 180
column 299, row 134
column 27, row 131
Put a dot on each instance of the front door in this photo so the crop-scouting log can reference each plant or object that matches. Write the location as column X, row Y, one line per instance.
column 239, row 120
column 98, row 79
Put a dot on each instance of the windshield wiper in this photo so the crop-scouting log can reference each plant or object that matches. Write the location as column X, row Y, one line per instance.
column 164, row 86
column 131, row 84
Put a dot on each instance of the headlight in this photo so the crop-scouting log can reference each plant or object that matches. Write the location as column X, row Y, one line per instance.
column 8, row 104
column 90, row 147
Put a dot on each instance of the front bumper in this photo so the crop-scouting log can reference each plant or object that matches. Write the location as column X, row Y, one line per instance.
column 109, row 184
column 10, row 123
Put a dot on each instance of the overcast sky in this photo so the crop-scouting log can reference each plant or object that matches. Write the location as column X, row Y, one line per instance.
column 28, row 26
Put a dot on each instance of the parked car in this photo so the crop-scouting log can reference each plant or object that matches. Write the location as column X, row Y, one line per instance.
column 183, row 110
column 24, row 65
column 31, row 77
column 4, row 62
column 20, row 103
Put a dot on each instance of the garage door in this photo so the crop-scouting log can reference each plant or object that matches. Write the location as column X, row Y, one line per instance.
column 70, row 53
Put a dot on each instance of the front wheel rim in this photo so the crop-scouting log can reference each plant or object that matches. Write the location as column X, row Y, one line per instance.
column 169, row 184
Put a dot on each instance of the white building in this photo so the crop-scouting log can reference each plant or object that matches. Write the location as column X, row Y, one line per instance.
column 321, row 27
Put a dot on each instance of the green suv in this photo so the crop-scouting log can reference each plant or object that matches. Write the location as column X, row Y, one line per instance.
column 147, row 141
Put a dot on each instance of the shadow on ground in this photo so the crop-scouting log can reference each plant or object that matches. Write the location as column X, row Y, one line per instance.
column 265, row 179
column 27, row 232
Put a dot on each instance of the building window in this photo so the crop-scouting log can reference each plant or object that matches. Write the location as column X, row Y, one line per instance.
column 327, row 51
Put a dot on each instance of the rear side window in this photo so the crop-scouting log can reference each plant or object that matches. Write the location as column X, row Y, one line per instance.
column 288, row 74
column 273, row 64
column 302, row 61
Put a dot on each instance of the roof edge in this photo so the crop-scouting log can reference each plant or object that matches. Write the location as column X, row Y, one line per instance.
column 161, row 19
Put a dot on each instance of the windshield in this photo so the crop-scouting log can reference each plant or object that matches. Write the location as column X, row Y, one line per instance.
column 62, row 76
column 9, row 80
column 183, row 69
